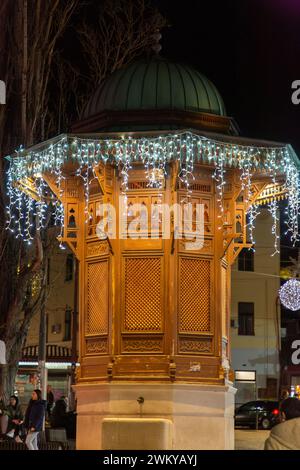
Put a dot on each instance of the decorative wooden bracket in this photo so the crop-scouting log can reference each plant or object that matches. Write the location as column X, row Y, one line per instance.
column 109, row 244
column 50, row 180
column 28, row 188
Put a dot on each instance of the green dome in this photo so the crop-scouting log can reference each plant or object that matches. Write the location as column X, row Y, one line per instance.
column 156, row 84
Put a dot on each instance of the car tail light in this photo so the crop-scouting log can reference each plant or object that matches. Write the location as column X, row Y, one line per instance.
column 275, row 412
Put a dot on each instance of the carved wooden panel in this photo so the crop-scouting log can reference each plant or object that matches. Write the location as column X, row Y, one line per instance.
column 143, row 215
column 97, row 248
column 94, row 187
column 192, row 221
column 208, row 246
column 194, row 295
column 195, row 345
column 142, row 345
column 72, row 188
column 97, row 298
column 197, row 186
column 96, row 346
column 142, row 287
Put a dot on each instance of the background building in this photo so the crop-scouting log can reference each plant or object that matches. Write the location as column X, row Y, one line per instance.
column 255, row 322
column 59, row 331
column 290, row 323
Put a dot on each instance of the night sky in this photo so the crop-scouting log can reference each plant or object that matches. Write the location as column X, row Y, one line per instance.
column 250, row 49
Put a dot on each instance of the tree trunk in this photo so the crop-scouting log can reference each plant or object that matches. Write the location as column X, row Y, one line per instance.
column 42, row 374
column 24, row 74
column 9, row 373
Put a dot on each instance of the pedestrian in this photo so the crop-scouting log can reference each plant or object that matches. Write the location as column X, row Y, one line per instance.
column 59, row 414
column 62, row 418
column 285, row 394
column 34, row 419
column 286, row 435
column 15, row 418
column 50, row 401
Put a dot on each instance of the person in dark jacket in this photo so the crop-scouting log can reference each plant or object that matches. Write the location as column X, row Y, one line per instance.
column 15, row 418
column 34, row 419
column 61, row 418
column 59, row 413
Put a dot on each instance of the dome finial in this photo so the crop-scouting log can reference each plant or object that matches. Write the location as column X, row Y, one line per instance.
column 156, row 47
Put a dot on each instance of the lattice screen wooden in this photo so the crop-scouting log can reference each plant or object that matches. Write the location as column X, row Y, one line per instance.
column 142, row 285
column 194, row 295
column 97, row 292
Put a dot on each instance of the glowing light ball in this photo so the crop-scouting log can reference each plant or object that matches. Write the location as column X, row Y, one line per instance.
column 289, row 294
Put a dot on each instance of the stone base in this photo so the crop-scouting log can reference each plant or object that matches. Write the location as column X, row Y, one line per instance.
column 202, row 415
column 145, row 433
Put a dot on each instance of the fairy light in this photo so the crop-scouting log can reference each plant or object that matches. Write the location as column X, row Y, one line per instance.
column 273, row 205
column 155, row 153
column 28, row 223
column 217, row 155
column 273, row 209
column 292, row 188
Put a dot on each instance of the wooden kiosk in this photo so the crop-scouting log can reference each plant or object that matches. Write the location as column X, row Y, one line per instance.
column 155, row 312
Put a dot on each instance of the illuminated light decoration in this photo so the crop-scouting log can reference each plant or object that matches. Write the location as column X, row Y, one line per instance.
column 219, row 177
column 289, row 294
column 155, row 164
column 292, row 188
column 186, row 167
column 273, row 209
column 246, row 166
column 273, row 205
column 155, row 153
column 253, row 213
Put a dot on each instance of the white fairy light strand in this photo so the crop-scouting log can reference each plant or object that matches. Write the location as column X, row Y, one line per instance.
column 293, row 206
column 273, row 205
column 155, row 153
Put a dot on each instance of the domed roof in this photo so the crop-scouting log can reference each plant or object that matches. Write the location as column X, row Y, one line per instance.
column 156, row 84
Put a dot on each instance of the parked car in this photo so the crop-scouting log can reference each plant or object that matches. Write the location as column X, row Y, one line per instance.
column 261, row 413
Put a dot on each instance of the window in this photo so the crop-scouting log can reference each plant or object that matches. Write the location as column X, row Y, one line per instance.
column 69, row 268
column 246, row 260
column 246, row 318
column 68, row 323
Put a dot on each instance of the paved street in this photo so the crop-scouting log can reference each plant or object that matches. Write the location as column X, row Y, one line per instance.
column 248, row 439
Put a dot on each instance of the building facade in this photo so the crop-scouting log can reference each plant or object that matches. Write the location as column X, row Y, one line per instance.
column 59, row 330
column 255, row 317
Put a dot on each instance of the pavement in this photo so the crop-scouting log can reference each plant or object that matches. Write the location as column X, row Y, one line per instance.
column 250, row 439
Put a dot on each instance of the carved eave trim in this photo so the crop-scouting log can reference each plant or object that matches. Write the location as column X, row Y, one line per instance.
column 107, row 119
column 271, row 192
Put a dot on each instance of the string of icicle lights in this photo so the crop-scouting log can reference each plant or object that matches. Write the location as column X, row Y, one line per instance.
column 26, row 215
